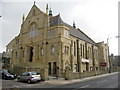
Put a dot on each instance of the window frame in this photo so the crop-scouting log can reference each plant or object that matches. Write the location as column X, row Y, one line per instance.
column 52, row 50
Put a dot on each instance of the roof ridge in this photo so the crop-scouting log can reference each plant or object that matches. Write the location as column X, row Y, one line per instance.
column 85, row 34
column 55, row 16
column 81, row 32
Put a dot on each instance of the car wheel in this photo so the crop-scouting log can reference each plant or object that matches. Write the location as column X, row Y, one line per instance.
column 29, row 81
column 18, row 79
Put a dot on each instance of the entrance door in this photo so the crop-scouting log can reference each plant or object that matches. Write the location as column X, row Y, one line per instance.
column 87, row 66
column 54, row 68
column 31, row 54
column 49, row 67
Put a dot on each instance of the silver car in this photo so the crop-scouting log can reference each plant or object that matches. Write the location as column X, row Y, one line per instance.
column 29, row 77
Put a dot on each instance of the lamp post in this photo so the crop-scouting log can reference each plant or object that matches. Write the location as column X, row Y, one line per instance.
column 109, row 53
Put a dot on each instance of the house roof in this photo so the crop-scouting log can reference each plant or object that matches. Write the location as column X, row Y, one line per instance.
column 56, row 20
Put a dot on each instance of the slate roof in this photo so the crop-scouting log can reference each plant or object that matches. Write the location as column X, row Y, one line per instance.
column 56, row 20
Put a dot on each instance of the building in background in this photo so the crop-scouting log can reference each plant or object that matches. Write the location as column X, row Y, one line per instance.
column 103, row 56
column 114, row 62
column 4, row 61
column 49, row 45
column 117, row 61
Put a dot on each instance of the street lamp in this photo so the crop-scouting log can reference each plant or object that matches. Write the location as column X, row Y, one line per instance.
column 108, row 52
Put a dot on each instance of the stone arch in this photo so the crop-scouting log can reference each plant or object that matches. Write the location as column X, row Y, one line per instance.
column 31, row 53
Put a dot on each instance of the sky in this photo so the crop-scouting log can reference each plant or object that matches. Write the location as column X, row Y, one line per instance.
column 96, row 18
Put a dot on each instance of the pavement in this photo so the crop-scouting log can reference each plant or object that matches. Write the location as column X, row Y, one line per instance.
column 63, row 82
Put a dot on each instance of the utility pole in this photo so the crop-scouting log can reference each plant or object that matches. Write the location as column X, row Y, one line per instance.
column 109, row 52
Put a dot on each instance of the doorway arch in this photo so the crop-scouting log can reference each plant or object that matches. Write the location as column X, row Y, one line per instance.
column 31, row 54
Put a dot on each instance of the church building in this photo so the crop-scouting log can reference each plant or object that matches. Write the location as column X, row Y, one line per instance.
column 48, row 45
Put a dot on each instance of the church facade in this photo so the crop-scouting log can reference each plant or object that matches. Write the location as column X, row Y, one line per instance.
column 48, row 43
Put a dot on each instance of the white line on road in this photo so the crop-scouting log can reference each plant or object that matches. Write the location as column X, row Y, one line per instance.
column 101, row 82
column 82, row 87
column 113, row 77
column 85, row 86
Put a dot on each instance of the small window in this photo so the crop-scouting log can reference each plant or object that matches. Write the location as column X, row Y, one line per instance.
column 75, row 68
column 66, row 50
column 66, row 33
column 17, row 41
column 8, row 50
column 33, row 12
column 74, row 49
column 83, row 51
column 51, row 33
column 42, row 52
column 16, row 54
column 52, row 50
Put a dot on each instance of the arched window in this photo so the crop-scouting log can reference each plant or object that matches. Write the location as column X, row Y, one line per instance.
column 52, row 50
column 16, row 54
column 33, row 31
column 41, row 52
column 74, row 49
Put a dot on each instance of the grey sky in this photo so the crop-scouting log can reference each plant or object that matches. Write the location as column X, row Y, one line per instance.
column 97, row 18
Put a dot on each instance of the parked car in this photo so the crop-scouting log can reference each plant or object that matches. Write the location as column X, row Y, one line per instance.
column 29, row 77
column 5, row 74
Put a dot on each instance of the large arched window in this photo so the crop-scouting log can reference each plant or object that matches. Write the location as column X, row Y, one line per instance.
column 33, row 30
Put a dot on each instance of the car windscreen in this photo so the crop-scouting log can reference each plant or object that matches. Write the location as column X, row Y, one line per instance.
column 34, row 73
column 5, row 71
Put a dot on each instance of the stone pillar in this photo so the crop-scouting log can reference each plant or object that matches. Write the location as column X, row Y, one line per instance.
column 59, row 71
column 80, row 66
column 62, row 63
column 71, row 54
column 36, row 52
column 20, row 54
column 27, row 54
column 51, row 68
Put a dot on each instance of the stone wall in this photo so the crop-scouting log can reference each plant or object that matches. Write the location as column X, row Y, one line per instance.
column 77, row 75
column 20, row 70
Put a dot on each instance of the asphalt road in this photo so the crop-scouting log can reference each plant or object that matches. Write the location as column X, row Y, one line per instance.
column 109, row 81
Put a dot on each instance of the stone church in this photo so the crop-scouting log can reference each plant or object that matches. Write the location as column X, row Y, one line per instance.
column 49, row 45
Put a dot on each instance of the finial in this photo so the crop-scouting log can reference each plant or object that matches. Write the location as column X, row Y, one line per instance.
column 74, row 24
column 34, row 2
column 47, row 9
column 23, row 18
column 47, row 6
column 50, row 12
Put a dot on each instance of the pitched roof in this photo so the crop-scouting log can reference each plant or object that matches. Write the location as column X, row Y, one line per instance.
column 56, row 20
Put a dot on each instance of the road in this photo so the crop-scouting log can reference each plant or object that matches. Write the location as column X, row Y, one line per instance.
column 109, row 81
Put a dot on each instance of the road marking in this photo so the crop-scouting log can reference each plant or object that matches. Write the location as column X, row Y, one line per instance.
column 82, row 87
column 113, row 78
column 101, row 82
column 85, row 86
